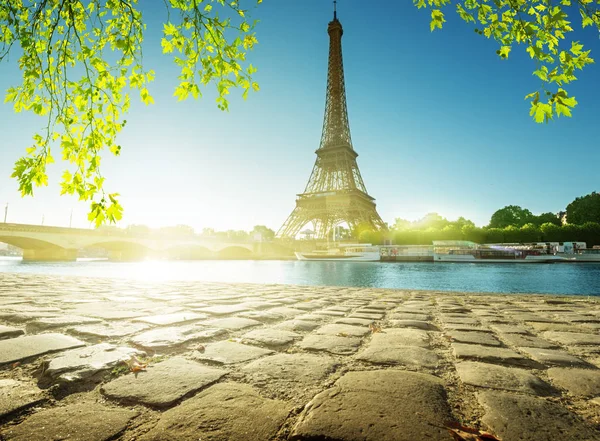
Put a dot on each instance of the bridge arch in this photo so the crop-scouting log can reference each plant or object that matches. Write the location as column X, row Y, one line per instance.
column 190, row 252
column 234, row 252
column 123, row 249
column 27, row 243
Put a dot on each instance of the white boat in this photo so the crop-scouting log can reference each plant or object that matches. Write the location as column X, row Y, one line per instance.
column 348, row 252
column 471, row 252
column 406, row 253
column 578, row 252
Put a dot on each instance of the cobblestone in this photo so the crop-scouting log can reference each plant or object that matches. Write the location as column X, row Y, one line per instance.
column 242, row 361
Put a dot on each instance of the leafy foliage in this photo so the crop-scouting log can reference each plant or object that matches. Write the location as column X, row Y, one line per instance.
column 80, row 61
column 542, row 27
column 548, row 232
column 511, row 215
column 584, row 209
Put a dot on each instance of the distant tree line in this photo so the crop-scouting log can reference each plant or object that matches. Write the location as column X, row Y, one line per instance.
column 511, row 224
column 185, row 231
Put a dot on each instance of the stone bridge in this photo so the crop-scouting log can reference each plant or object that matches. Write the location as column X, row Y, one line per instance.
column 57, row 243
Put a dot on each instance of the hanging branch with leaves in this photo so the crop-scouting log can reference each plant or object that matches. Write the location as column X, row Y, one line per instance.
column 543, row 27
column 80, row 62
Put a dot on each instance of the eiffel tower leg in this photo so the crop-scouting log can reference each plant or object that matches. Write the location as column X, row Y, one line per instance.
column 293, row 224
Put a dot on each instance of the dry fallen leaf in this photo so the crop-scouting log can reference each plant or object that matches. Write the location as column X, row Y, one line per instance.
column 341, row 334
column 463, row 433
column 374, row 328
column 136, row 365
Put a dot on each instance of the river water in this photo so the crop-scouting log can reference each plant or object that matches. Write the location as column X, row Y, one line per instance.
column 557, row 278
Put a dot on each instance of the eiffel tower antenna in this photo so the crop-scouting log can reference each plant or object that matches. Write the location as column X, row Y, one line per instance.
column 335, row 192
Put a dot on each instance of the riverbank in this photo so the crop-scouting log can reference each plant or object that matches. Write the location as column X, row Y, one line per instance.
column 222, row 361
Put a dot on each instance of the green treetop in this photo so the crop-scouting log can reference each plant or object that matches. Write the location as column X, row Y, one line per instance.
column 543, row 28
column 81, row 61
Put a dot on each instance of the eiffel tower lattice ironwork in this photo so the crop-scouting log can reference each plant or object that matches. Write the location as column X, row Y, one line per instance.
column 335, row 192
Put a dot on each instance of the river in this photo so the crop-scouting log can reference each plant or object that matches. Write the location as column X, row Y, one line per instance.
column 557, row 278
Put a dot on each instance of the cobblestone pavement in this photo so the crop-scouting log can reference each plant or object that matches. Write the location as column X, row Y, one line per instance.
column 274, row 362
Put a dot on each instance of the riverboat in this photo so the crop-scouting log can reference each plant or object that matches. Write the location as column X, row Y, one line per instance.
column 348, row 252
column 471, row 252
column 406, row 253
column 579, row 252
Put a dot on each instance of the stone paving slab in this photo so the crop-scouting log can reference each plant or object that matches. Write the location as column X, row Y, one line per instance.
column 409, row 316
column 397, row 337
column 108, row 329
column 354, row 321
column 290, row 374
column 271, row 337
column 261, row 316
column 417, row 324
column 231, row 323
column 555, row 357
column 170, row 319
column 286, row 311
column 18, row 395
column 373, row 406
column 330, row 343
column 297, row 325
column 9, row 332
column 162, row 384
column 224, row 309
column 460, row 320
column 313, row 317
column 492, row 355
column 343, row 330
column 22, row 348
column 526, row 418
column 527, row 341
column 169, row 338
column 582, row 382
column 228, row 352
column 560, row 327
column 380, row 353
column 107, row 311
column 59, row 322
column 466, row 328
column 80, row 364
column 474, row 337
column 76, row 422
column 366, row 315
column 491, row 376
column 573, row 338
column 223, row 412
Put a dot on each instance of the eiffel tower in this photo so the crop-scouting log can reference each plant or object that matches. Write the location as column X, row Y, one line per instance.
column 335, row 192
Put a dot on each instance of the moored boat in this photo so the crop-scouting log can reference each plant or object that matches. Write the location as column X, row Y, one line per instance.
column 471, row 252
column 348, row 252
column 578, row 252
column 406, row 253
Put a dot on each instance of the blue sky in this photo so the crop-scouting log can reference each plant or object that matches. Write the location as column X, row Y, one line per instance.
column 438, row 120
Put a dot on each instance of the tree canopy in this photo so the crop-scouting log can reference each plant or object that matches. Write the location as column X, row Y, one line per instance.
column 543, row 27
column 584, row 209
column 81, row 61
column 511, row 215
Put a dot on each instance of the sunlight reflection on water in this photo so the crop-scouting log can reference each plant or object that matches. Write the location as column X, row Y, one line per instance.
column 508, row 278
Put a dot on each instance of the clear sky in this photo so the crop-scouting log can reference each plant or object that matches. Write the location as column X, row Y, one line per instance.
column 438, row 120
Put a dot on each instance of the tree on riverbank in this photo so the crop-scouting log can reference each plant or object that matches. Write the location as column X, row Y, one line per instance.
column 543, row 28
column 81, row 62
column 584, row 209
column 548, row 232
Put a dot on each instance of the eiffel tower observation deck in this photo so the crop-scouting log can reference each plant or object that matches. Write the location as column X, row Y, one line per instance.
column 335, row 192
